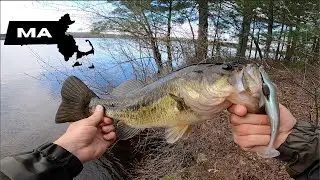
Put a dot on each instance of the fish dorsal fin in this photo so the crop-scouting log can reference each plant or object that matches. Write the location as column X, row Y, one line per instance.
column 173, row 134
column 124, row 131
column 127, row 87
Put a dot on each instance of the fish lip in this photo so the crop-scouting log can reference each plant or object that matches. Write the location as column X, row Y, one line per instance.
column 246, row 78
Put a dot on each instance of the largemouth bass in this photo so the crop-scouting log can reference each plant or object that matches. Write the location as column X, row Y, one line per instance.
column 192, row 94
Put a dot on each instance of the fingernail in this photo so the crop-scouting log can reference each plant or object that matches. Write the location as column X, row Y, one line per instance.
column 99, row 108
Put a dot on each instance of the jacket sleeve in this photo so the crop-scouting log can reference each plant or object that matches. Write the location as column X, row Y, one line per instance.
column 301, row 151
column 49, row 161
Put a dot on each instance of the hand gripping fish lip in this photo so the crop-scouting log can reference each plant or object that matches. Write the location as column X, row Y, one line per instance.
column 271, row 105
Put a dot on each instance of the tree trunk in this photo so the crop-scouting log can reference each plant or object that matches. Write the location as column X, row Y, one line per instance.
column 214, row 43
column 154, row 45
column 283, row 42
column 270, row 27
column 316, row 43
column 253, row 28
column 218, row 45
column 258, row 40
column 292, row 40
column 168, row 44
column 193, row 36
column 279, row 42
column 156, row 54
column 202, row 43
column 216, row 39
column 316, row 50
column 243, row 36
column 289, row 41
column 257, row 46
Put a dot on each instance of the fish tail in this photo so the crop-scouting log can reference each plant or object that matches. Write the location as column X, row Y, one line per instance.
column 76, row 97
column 268, row 152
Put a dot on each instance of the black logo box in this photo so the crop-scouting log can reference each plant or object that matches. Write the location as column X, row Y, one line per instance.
column 55, row 28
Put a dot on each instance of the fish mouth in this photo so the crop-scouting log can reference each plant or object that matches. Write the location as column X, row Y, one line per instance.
column 245, row 78
column 246, row 87
column 212, row 91
column 251, row 79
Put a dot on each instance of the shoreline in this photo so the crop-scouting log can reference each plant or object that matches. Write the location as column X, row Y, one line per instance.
column 122, row 36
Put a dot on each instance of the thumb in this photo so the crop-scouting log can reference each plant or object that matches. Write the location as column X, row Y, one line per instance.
column 96, row 118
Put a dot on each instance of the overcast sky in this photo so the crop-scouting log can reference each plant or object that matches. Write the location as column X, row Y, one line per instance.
column 53, row 10
column 33, row 11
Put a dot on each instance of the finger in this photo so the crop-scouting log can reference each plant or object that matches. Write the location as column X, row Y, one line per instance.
column 248, row 129
column 238, row 109
column 110, row 136
column 251, row 140
column 96, row 118
column 254, row 119
column 108, row 129
column 102, row 124
column 107, row 121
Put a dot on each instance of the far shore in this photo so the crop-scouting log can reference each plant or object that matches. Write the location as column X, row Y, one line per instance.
column 123, row 36
column 85, row 35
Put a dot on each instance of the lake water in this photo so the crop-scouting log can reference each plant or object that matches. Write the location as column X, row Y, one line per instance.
column 31, row 79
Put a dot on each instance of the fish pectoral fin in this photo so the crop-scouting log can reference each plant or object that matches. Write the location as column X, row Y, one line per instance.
column 187, row 133
column 174, row 133
column 124, row 131
column 180, row 102
column 127, row 87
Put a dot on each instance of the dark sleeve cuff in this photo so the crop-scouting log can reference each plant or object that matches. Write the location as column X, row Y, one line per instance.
column 59, row 155
column 301, row 148
column 49, row 161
